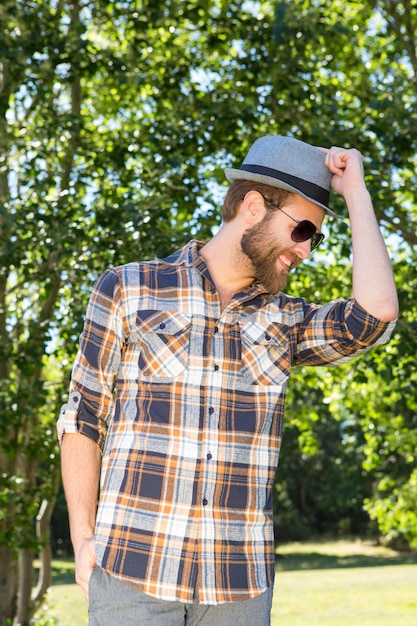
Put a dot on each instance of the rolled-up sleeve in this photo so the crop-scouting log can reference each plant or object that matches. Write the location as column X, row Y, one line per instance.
column 91, row 397
column 336, row 332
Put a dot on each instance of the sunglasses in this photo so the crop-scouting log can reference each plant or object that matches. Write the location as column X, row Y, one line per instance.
column 304, row 229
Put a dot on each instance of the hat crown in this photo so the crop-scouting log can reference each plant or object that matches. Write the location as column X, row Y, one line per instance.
column 291, row 156
column 290, row 164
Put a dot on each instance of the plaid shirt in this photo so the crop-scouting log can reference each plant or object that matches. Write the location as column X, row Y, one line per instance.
column 186, row 402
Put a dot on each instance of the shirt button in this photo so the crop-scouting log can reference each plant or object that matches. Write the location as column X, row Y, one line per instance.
column 205, row 502
column 76, row 399
column 162, row 325
column 267, row 336
column 209, row 456
column 216, row 329
column 211, row 410
column 216, row 368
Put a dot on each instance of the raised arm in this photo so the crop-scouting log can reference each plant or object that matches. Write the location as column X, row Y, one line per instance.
column 373, row 280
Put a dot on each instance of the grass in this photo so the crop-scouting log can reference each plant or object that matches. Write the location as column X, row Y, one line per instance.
column 65, row 600
column 344, row 583
column 331, row 583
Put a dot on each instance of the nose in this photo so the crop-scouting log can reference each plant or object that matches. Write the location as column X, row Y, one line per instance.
column 303, row 249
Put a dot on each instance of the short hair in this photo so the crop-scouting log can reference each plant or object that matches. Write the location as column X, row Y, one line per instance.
column 238, row 190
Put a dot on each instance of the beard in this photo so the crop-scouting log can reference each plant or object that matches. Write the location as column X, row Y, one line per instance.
column 263, row 251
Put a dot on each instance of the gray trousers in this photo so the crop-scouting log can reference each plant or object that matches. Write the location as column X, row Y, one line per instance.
column 113, row 603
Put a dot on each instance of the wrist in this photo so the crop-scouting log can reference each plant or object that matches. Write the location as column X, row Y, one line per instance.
column 357, row 194
column 78, row 540
column 359, row 202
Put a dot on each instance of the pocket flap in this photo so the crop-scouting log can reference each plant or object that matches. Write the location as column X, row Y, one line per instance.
column 162, row 322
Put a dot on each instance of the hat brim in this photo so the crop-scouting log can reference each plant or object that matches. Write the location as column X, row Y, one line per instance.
column 234, row 174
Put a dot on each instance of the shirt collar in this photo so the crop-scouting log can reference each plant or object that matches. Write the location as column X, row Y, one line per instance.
column 189, row 256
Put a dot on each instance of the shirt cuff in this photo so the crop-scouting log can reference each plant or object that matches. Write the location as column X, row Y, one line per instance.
column 75, row 417
column 366, row 328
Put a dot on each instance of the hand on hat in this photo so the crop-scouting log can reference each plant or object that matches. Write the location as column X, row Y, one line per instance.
column 346, row 166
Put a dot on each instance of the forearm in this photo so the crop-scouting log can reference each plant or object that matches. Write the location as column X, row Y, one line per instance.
column 373, row 280
column 80, row 463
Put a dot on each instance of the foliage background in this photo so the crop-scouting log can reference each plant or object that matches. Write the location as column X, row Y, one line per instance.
column 116, row 121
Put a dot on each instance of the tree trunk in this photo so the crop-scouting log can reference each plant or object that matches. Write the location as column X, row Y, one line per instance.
column 43, row 522
column 24, row 604
column 28, row 603
column 8, row 584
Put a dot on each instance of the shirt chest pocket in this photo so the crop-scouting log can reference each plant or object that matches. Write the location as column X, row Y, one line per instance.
column 265, row 353
column 162, row 341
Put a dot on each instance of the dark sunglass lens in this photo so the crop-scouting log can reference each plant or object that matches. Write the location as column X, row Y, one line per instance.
column 316, row 239
column 303, row 231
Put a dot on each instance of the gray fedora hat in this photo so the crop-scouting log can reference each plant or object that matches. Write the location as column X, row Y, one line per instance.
column 289, row 164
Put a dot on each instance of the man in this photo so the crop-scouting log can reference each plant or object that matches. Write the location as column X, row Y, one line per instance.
column 178, row 392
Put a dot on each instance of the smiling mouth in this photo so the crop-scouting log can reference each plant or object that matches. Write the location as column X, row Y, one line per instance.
column 286, row 262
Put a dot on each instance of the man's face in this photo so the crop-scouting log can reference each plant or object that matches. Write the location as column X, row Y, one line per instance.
column 269, row 246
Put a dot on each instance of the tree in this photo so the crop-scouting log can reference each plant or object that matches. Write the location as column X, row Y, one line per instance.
column 116, row 119
column 377, row 395
column 81, row 123
column 109, row 135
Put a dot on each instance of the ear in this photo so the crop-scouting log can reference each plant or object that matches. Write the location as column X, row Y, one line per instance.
column 253, row 207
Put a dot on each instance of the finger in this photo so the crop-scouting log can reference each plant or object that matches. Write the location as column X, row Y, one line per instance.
column 84, row 584
column 336, row 167
column 337, row 160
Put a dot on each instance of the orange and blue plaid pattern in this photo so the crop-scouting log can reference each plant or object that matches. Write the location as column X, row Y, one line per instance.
column 186, row 402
